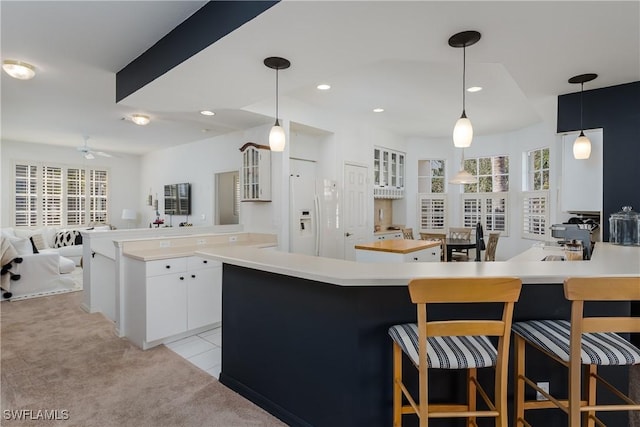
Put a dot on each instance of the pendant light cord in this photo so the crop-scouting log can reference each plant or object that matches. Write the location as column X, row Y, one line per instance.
column 464, row 71
column 581, row 91
column 276, row 95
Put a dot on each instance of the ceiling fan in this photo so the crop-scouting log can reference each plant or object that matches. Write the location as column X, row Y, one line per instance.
column 88, row 153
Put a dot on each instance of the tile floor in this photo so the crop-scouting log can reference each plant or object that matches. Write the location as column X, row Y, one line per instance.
column 203, row 350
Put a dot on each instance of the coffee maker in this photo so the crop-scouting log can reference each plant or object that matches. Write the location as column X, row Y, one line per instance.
column 573, row 233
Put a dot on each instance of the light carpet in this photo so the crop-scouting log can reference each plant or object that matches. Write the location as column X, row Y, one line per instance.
column 56, row 357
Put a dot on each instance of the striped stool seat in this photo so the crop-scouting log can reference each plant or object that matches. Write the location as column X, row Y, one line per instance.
column 598, row 348
column 450, row 352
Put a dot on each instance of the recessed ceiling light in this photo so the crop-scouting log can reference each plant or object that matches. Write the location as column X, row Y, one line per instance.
column 207, row 113
column 140, row 119
column 18, row 69
column 378, row 110
column 474, row 89
column 323, row 86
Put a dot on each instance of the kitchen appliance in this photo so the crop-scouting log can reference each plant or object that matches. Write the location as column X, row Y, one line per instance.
column 313, row 211
column 624, row 227
column 572, row 234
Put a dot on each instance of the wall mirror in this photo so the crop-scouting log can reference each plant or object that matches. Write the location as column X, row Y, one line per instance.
column 227, row 198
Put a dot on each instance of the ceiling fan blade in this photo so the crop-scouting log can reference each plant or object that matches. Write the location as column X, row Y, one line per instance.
column 103, row 154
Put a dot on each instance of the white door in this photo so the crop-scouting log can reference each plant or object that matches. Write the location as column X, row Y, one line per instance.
column 356, row 225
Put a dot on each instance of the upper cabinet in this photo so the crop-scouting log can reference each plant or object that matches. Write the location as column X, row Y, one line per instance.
column 581, row 189
column 388, row 173
column 255, row 175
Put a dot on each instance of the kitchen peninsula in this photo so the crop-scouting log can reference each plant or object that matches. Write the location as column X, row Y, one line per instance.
column 306, row 337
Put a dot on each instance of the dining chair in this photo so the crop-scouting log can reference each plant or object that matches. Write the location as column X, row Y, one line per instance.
column 407, row 233
column 584, row 341
column 460, row 233
column 442, row 237
column 492, row 243
column 454, row 345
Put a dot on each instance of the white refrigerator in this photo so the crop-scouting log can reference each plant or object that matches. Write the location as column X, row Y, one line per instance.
column 313, row 211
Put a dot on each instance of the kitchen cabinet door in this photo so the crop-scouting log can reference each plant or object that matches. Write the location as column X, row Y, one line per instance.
column 166, row 301
column 204, row 297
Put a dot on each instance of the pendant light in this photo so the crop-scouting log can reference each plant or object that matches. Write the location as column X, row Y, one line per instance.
column 463, row 131
column 463, row 177
column 277, row 137
column 582, row 145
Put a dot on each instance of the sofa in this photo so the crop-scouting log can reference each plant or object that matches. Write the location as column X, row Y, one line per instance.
column 43, row 259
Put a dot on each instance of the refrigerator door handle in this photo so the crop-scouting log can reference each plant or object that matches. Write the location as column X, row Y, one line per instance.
column 316, row 208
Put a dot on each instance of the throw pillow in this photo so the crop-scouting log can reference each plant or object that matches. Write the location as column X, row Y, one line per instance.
column 22, row 245
column 65, row 238
column 38, row 241
column 34, row 248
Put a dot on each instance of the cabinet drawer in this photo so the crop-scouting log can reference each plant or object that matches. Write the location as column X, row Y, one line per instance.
column 166, row 266
column 198, row 263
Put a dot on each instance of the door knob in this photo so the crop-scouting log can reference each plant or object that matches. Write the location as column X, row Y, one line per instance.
column 347, row 234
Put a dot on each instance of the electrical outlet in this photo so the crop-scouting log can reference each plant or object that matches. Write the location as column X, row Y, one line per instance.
column 544, row 385
column 165, row 243
column 202, row 242
column 233, row 238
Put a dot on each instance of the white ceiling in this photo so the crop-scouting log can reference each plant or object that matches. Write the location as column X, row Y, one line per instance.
column 389, row 54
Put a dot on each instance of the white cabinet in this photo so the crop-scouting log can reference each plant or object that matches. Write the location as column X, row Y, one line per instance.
column 170, row 297
column 388, row 173
column 581, row 189
column 255, row 174
column 388, row 236
column 424, row 255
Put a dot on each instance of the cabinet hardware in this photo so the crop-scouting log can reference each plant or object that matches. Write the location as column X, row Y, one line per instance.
column 193, row 276
column 181, row 277
column 167, row 266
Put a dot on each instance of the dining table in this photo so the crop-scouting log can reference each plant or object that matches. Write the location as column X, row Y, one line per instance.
column 460, row 244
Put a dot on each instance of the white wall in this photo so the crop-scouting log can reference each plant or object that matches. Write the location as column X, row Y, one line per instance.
column 124, row 173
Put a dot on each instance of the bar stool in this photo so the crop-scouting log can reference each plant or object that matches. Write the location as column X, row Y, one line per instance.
column 588, row 341
column 455, row 344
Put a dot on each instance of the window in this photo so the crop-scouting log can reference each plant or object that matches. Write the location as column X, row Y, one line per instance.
column 535, row 214
column 535, row 197
column 486, row 202
column 57, row 195
column 489, row 209
column 537, row 168
column 492, row 174
column 432, row 212
column 432, row 201
column 431, row 175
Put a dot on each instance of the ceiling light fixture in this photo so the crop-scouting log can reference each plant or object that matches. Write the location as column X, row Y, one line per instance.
column 463, row 177
column 277, row 137
column 323, row 86
column 378, row 110
column 18, row 69
column 582, row 145
column 463, row 131
column 207, row 113
column 140, row 119
column 473, row 89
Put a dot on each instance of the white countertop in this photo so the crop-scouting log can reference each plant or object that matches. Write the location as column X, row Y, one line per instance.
column 607, row 260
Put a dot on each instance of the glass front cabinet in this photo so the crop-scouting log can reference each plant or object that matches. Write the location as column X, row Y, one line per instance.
column 388, row 173
column 255, row 175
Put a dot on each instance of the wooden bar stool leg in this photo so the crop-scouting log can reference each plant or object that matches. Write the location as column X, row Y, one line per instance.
column 518, row 381
column 397, row 391
column 472, row 374
column 590, row 392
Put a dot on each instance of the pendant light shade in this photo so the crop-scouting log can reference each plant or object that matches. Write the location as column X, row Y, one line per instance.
column 581, row 147
column 463, row 177
column 277, row 137
column 463, row 131
column 582, row 144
